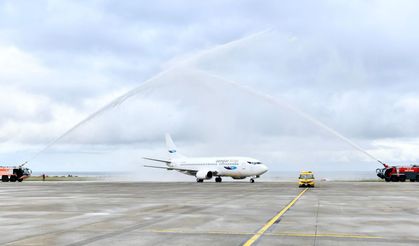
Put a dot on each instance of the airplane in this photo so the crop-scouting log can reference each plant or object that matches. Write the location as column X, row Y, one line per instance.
column 204, row 168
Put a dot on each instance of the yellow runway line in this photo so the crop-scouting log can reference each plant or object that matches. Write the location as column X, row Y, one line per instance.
column 285, row 234
column 323, row 235
column 258, row 234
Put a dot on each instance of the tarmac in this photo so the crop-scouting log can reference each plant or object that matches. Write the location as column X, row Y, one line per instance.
column 228, row 213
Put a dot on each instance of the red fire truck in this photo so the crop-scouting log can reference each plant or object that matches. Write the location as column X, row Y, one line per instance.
column 13, row 174
column 399, row 173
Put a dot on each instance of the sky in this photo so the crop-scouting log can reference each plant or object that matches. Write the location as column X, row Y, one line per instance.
column 350, row 64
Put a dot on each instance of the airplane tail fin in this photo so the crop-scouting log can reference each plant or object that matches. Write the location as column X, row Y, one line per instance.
column 171, row 147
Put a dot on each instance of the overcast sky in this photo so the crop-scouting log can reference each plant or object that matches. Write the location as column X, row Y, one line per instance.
column 350, row 64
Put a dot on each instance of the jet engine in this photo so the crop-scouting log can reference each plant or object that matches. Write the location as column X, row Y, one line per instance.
column 204, row 174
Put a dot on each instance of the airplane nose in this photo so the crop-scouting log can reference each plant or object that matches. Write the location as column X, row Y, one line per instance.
column 264, row 168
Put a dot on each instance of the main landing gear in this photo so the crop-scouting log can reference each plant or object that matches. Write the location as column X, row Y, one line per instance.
column 252, row 180
column 218, row 180
column 199, row 180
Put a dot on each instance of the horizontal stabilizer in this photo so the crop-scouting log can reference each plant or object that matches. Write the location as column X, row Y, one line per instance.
column 159, row 160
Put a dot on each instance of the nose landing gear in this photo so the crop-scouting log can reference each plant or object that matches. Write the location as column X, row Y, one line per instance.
column 252, row 180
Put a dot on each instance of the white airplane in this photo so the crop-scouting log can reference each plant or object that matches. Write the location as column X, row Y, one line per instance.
column 205, row 168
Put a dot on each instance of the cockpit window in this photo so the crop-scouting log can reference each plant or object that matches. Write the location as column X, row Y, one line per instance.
column 255, row 162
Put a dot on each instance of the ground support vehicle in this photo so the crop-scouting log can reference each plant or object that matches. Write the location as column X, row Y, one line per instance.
column 13, row 174
column 306, row 179
column 399, row 173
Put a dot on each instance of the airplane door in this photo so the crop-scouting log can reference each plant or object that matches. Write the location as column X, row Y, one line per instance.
column 242, row 168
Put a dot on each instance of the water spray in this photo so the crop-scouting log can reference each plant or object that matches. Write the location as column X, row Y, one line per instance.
column 113, row 104
column 182, row 64
column 297, row 111
column 146, row 84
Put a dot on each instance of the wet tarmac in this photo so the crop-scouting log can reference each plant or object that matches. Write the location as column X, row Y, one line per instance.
column 228, row 213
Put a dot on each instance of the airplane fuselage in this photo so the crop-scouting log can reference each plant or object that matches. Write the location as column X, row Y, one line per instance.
column 235, row 167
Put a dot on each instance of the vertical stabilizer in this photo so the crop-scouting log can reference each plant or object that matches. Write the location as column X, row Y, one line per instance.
column 171, row 148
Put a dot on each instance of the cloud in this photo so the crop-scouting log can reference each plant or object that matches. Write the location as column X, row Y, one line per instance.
column 351, row 65
column 16, row 65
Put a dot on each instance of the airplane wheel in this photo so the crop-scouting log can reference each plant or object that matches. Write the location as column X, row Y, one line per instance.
column 252, row 180
column 218, row 179
column 200, row 180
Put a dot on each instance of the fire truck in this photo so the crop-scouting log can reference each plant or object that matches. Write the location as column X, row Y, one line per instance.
column 13, row 174
column 399, row 173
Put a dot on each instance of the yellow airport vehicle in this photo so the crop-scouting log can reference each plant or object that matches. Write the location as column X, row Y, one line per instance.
column 306, row 179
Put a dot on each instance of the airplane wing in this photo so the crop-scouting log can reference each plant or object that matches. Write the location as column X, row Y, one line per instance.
column 173, row 168
column 189, row 171
column 159, row 160
column 185, row 170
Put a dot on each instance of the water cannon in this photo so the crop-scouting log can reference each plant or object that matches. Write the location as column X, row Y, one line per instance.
column 385, row 165
column 23, row 164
